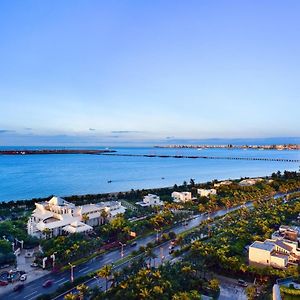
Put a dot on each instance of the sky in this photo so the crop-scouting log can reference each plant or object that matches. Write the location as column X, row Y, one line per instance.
column 109, row 72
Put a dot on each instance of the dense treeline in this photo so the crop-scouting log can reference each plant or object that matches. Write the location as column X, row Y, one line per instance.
column 177, row 281
column 225, row 248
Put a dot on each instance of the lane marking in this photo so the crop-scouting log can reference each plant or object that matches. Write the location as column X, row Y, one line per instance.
column 82, row 270
column 64, row 282
column 26, row 296
column 59, row 280
column 34, row 297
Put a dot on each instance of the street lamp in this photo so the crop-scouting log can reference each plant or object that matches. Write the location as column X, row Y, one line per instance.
column 157, row 231
column 162, row 257
column 122, row 248
column 98, row 281
column 72, row 272
column 53, row 259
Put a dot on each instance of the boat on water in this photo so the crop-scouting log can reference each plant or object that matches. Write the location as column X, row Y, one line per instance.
column 109, row 181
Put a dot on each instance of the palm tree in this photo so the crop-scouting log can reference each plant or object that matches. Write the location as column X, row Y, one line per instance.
column 150, row 255
column 105, row 272
column 104, row 215
column 85, row 218
column 144, row 293
column 47, row 232
column 71, row 296
column 83, row 291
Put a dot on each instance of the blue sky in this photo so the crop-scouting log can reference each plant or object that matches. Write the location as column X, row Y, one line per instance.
column 95, row 72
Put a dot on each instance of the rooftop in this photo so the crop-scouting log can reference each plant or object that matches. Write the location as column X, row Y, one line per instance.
column 263, row 246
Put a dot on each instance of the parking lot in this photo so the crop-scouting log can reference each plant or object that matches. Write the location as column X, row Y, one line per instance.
column 23, row 265
column 230, row 290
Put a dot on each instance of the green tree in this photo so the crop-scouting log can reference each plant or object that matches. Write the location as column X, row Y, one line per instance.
column 105, row 272
column 83, row 291
column 251, row 292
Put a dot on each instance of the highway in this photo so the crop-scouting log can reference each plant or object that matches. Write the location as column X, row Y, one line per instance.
column 34, row 289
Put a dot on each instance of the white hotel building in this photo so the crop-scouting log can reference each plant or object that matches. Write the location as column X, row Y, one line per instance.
column 181, row 196
column 57, row 216
column 150, row 200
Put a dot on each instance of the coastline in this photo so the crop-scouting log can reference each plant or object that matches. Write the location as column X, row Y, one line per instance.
column 110, row 195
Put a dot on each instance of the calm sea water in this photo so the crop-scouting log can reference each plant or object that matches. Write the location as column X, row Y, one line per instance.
column 30, row 176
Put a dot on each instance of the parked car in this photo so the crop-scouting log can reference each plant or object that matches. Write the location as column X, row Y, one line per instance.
column 133, row 244
column 242, row 282
column 3, row 282
column 34, row 265
column 18, row 287
column 23, row 277
column 47, row 283
column 4, row 266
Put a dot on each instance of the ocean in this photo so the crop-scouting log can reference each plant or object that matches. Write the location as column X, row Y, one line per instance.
column 32, row 176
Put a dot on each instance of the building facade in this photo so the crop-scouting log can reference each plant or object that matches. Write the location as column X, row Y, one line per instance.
column 206, row 192
column 150, row 200
column 181, row 196
column 277, row 253
column 57, row 216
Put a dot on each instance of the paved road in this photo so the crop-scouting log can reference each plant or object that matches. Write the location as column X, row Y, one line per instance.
column 34, row 289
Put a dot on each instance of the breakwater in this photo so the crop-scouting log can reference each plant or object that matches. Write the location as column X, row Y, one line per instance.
column 204, row 157
column 53, row 151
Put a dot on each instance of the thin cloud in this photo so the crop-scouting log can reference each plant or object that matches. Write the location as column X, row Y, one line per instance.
column 126, row 131
column 6, row 131
column 27, row 128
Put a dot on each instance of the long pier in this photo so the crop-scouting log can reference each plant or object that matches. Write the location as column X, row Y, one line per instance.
column 54, row 151
column 204, row 157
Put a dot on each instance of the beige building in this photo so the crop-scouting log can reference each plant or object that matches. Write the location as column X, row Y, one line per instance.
column 225, row 182
column 250, row 181
column 206, row 192
column 181, row 196
column 276, row 253
column 57, row 216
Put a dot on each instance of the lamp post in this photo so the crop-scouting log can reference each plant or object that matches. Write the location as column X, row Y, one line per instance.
column 157, row 231
column 98, row 281
column 53, row 259
column 162, row 257
column 122, row 248
column 72, row 272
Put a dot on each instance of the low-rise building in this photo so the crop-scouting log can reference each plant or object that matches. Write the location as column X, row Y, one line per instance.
column 276, row 253
column 250, row 181
column 58, row 216
column 263, row 253
column 181, row 196
column 290, row 233
column 225, row 182
column 150, row 200
column 206, row 192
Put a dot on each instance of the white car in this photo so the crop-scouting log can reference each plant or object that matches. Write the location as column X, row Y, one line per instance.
column 23, row 277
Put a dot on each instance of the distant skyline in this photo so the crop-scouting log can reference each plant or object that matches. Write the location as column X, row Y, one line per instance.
column 121, row 72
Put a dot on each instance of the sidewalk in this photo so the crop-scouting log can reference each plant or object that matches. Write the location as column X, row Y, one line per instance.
column 23, row 264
